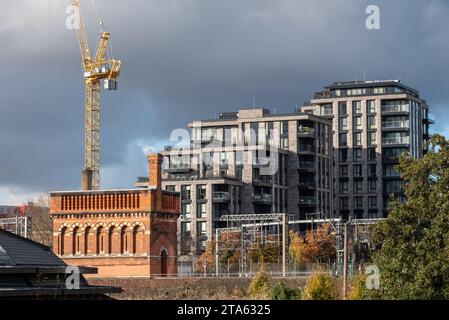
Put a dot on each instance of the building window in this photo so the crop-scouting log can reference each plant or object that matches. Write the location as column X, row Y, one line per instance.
column 358, row 203
column 372, row 202
column 357, row 139
column 394, row 186
column 185, row 192
column 342, row 108
column 372, row 137
column 201, row 246
column 284, row 135
column 343, row 155
column 357, row 123
column 356, row 107
column 372, row 186
column 186, row 210
column 390, row 171
column 343, row 138
column 357, row 171
column 343, row 171
column 371, row 154
column 358, row 187
column 344, row 187
column 372, row 168
column 343, row 123
column 357, row 155
column 201, row 229
column 326, row 109
column 371, row 122
column 186, row 237
column 201, row 192
column 344, row 203
column 371, row 106
column 201, row 210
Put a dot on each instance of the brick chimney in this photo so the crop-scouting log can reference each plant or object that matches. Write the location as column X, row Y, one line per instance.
column 155, row 173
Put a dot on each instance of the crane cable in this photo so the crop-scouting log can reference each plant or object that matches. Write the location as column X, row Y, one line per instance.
column 109, row 48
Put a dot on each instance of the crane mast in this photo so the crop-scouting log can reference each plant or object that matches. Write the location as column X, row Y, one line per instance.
column 94, row 72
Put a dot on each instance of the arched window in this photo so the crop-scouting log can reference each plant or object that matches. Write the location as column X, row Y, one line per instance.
column 135, row 240
column 111, row 240
column 86, row 240
column 164, row 262
column 123, row 241
column 100, row 240
column 76, row 241
column 62, row 241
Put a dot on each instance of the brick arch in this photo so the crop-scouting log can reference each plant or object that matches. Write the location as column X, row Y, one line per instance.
column 138, row 223
column 87, row 224
column 62, row 226
column 113, row 232
column 74, row 226
column 98, row 225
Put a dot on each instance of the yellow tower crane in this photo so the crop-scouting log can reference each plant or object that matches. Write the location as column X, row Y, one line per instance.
column 95, row 71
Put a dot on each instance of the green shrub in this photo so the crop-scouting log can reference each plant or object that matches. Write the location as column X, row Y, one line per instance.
column 260, row 286
column 281, row 292
column 320, row 286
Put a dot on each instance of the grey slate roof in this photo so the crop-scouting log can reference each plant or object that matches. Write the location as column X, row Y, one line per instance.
column 18, row 251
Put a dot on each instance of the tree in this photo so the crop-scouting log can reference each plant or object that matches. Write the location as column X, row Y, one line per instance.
column 412, row 245
column 317, row 246
column 41, row 223
column 206, row 261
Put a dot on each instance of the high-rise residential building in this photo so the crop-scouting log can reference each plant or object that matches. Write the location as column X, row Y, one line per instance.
column 247, row 162
column 373, row 122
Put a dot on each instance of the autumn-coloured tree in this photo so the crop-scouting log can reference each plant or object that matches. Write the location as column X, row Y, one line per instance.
column 206, row 261
column 264, row 251
column 316, row 246
column 229, row 252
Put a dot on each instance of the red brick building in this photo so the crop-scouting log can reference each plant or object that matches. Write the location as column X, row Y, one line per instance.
column 121, row 232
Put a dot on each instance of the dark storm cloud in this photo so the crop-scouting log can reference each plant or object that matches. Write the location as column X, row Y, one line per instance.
column 190, row 59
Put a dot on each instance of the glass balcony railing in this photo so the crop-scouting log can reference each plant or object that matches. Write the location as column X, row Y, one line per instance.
column 306, row 131
column 263, row 197
column 396, row 140
column 304, row 165
column 221, row 196
column 396, row 124
column 307, row 201
column 396, row 108
column 305, row 148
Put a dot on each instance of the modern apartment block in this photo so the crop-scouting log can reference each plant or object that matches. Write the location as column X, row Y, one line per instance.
column 373, row 122
column 246, row 162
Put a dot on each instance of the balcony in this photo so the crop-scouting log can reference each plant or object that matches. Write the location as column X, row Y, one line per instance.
column 429, row 120
column 395, row 140
column 306, row 166
column 306, row 132
column 396, row 124
column 395, row 108
column 263, row 198
column 221, row 196
column 176, row 168
column 263, row 180
column 307, row 201
column 309, row 185
column 306, row 149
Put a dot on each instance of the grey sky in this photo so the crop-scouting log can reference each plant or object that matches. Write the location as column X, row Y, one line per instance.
column 190, row 59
